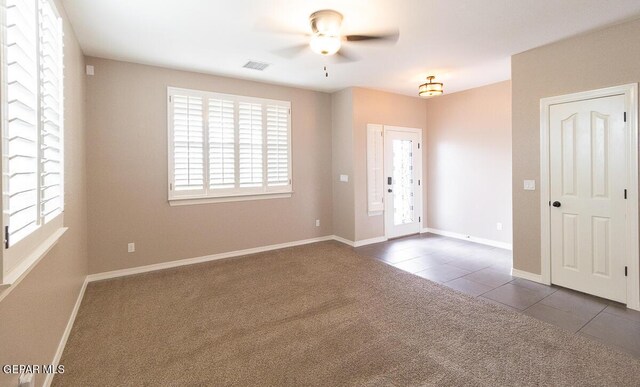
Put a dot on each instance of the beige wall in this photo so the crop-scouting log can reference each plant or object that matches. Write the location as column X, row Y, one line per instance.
column 342, row 163
column 352, row 110
column 603, row 58
column 35, row 313
column 127, row 172
column 469, row 162
column 377, row 107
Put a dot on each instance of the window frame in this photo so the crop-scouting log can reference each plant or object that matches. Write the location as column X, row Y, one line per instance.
column 207, row 194
column 20, row 257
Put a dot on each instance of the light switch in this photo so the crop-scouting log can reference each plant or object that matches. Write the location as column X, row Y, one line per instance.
column 344, row 178
column 529, row 185
column 90, row 70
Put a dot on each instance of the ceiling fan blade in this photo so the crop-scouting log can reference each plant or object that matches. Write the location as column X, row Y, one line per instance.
column 390, row 37
column 291, row 52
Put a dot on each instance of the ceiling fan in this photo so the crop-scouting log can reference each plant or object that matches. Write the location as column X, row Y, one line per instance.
column 326, row 38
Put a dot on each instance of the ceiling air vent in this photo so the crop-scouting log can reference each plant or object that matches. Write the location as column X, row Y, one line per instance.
column 260, row 66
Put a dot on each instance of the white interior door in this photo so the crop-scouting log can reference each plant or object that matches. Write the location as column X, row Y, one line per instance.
column 403, row 181
column 588, row 179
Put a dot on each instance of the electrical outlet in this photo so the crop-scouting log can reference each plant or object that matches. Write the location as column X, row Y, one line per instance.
column 131, row 247
column 317, row 222
column 499, row 226
column 344, row 178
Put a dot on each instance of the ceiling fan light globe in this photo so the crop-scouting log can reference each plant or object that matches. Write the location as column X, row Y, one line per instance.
column 325, row 44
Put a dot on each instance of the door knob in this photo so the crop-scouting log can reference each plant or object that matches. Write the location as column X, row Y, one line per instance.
column 557, row 204
column 389, row 190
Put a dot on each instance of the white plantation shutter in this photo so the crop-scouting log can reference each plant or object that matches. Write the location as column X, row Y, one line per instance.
column 188, row 143
column 20, row 140
column 51, row 112
column 375, row 178
column 250, row 144
column 277, row 145
column 222, row 144
column 32, row 123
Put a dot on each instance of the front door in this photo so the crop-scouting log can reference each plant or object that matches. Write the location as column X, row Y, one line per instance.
column 403, row 181
column 588, row 179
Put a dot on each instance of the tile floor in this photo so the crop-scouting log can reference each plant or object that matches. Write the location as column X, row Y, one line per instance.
column 484, row 271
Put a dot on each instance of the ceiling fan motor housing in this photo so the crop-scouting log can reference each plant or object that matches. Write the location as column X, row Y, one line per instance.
column 326, row 22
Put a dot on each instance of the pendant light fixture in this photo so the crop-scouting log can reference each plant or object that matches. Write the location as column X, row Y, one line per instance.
column 430, row 88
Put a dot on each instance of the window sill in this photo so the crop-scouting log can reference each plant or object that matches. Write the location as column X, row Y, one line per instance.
column 16, row 275
column 224, row 199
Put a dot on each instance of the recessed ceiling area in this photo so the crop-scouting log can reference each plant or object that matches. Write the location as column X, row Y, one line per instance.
column 464, row 43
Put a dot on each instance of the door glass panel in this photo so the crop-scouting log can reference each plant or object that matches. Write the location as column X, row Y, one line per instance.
column 402, row 182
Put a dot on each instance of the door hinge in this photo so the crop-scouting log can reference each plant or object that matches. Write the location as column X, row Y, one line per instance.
column 419, row 218
column 625, row 193
column 418, row 145
column 625, row 116
column 549, row 203
column 419, row 181
column 626, row 271
column 6, row 237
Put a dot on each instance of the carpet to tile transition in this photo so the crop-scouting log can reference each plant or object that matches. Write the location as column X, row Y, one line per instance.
column 317, row 315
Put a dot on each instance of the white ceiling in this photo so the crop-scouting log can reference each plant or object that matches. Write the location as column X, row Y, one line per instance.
column 465, row 43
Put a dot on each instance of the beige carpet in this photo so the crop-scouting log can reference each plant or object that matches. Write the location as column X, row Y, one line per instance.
column 317, row 315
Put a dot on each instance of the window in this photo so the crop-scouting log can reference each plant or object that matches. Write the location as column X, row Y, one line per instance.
column 228, row 146
column 32, row 133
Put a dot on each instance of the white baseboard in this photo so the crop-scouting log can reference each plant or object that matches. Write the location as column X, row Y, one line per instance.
column 229, row 254
column 359, row 243
column 483, row 241
column 343, row 240
column 65, row 335
column 526, row 275
column 206, row 258
column 369, row 241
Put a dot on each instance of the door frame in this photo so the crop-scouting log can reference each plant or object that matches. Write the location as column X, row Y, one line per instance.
column 630, row 92
column 420, row 211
